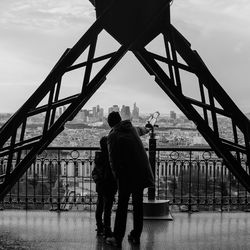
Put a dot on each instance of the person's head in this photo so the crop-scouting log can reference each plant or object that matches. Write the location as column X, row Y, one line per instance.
column 114, row 118
column 103, row 143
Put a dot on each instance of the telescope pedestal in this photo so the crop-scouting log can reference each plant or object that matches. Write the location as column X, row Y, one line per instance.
column 156, row 210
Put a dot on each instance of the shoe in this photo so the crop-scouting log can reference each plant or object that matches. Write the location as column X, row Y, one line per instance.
column 114, row 242
column 133, row 239
column 99, row 232
column 107, row 234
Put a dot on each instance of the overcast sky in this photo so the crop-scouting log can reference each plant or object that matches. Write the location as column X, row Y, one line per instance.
column 35, row 33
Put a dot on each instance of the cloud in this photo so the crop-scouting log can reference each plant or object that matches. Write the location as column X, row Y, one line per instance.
column 213, row 15
column 34, row 34
column 45, row 14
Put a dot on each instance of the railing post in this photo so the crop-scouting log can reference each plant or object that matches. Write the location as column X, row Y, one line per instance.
column 190, row 183
column 152, row 160
column 58, row 181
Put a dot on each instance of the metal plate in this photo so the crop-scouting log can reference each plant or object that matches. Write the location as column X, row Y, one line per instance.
column 128, row 18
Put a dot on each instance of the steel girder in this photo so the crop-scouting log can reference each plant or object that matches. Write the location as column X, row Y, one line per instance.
column 12, row 147
column 204, row 111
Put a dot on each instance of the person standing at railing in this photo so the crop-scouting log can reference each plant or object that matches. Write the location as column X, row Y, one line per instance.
column 130, row 165
column 106, row 189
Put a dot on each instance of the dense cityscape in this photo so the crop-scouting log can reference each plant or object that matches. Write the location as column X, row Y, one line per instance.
column 88, row 126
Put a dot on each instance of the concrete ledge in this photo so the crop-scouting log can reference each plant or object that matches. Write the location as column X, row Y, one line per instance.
column 156, row 210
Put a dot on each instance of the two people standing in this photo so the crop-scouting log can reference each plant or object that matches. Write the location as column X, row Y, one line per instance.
column 132, row 171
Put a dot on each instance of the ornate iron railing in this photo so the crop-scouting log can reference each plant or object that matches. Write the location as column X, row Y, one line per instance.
column 193, row 179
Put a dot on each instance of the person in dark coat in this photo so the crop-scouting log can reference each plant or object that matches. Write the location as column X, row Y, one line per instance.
column 106, row 189
column 130, row 165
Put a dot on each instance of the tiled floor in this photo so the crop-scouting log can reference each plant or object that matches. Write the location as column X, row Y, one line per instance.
column 41, row 230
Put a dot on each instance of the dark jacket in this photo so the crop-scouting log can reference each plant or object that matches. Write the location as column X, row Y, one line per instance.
column 102, row 174
column 128, row 158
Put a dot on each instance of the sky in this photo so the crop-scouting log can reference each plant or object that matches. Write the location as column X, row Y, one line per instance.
column 35, row 33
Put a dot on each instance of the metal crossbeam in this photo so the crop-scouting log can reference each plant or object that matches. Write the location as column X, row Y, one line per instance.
column 51, row 87
column 214, row 102
column 211, row 136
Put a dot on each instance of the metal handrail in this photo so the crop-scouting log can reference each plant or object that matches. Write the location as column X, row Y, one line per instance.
column 192, row 178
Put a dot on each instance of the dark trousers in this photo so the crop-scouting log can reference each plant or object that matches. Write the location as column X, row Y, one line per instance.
column 121, row 213
column 104, row 207
column 108, row 203
column 99, row 211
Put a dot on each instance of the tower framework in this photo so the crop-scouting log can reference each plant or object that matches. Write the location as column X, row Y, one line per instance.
column 134, row 24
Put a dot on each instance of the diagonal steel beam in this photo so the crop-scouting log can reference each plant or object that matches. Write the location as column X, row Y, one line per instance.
column 54, row 76
column 194, row 61
column 185, row 106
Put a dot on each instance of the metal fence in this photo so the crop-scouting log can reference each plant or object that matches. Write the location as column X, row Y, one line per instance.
column 193, row 179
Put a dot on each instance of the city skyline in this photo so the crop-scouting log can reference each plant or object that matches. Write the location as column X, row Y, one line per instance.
column 133, row 109
column 36, row 33
column 126, row 111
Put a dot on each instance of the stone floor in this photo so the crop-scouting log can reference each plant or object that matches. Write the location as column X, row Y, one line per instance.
column 42, row 230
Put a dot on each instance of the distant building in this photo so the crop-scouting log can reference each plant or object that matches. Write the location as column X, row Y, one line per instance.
column 172, row 115
column 101, row 114
column 114, row 108
column 94, row 112
column 135, row 112
column 85, row 114
column 125, row 113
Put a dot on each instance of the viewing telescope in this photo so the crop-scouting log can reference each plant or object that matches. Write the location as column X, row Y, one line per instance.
column 151, row 122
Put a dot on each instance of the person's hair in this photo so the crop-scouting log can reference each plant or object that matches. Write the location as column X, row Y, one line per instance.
column 114, row 118
column 103, row 143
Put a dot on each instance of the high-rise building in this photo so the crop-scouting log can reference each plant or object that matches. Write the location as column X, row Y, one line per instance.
column 85, row 114
column 135, row 112
column 125, row 112
column 114, row 108
column 97, row 108
column 94, row 112
column 101, row 114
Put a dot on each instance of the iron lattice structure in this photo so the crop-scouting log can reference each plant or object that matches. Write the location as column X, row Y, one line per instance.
column 170, row 71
